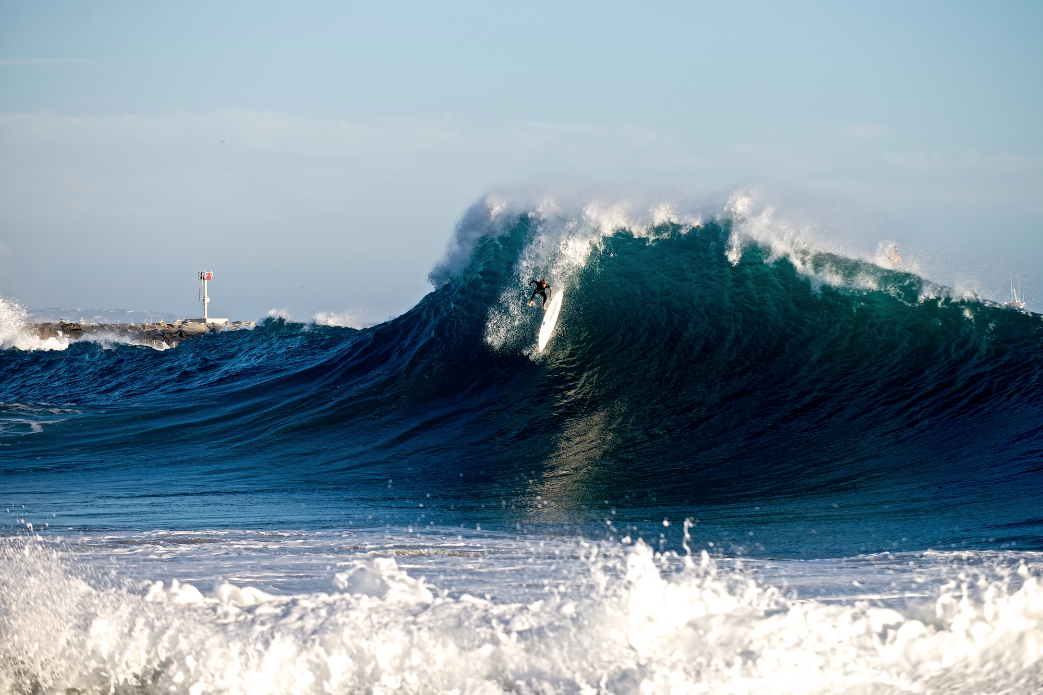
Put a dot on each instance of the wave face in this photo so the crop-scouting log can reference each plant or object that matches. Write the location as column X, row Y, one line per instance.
column 695, row 366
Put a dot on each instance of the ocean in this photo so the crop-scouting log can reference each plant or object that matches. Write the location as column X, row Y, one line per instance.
column 743, row 464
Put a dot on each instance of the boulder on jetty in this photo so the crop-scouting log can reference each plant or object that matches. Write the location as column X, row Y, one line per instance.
column 158, row 335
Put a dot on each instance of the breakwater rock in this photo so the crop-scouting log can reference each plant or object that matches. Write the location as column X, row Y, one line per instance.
column 158, row 335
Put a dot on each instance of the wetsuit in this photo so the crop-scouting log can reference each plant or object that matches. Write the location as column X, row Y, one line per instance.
column 541, row 285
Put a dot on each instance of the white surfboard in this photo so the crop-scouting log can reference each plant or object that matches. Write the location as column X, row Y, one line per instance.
column 550, row 318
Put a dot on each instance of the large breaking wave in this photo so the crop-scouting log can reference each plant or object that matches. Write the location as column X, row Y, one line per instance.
column 701, row 359
column 778, row 465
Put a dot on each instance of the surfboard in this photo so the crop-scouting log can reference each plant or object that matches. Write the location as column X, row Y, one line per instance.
column 550, row 318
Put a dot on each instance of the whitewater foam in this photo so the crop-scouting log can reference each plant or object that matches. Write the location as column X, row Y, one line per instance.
column 280, row 315
column 609, row 619
column 14, row 334
column 340, row 319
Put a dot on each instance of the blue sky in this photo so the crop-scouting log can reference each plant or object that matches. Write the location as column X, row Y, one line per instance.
column 317, row 155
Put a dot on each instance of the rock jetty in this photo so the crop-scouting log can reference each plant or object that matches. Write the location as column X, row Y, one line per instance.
column 160, row 335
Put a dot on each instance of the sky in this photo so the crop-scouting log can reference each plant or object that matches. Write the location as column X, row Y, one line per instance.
column 317, row 155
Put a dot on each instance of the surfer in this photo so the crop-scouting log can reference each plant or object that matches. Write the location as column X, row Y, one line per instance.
column 892, row 255
column 542, row 288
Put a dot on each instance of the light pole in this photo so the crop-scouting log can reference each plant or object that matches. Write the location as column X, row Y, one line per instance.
column 205, row 275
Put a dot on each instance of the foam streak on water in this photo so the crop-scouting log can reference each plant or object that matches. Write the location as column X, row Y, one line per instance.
column 567, row 617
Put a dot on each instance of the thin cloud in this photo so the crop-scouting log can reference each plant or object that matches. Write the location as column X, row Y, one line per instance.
column 31, row 62
column 865, row 131
column 920, row 162
column 850, row 131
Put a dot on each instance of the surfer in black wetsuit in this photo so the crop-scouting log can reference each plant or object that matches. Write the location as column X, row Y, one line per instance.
column 542, row 288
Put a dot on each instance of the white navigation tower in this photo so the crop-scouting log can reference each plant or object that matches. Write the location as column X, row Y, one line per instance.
column 204, row 277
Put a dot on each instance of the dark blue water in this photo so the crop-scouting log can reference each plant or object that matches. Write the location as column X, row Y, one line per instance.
column 785, row 415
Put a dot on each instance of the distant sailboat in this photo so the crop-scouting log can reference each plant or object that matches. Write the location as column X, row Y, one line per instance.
column 1017, row 298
